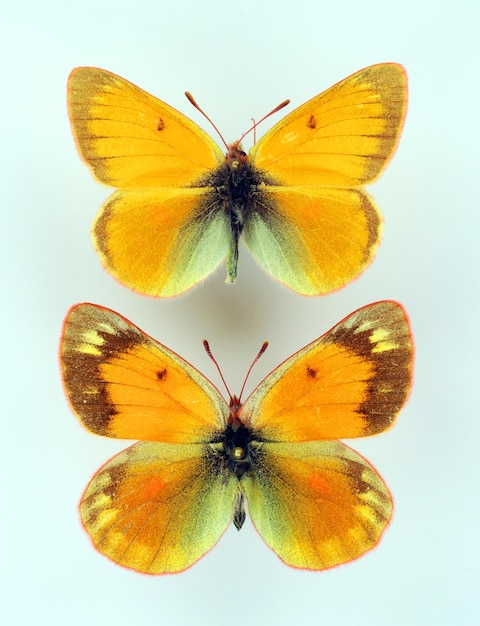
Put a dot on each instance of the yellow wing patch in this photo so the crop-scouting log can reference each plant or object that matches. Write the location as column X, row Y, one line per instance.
column 130, row 138
column 344, row 136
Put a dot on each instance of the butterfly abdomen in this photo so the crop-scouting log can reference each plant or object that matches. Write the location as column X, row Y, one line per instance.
column 237, row 193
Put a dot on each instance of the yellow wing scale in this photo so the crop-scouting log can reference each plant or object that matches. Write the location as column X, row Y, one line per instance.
column 315, row 240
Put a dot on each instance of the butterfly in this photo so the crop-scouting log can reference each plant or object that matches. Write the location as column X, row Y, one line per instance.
column 182, row 205
column 161, row 504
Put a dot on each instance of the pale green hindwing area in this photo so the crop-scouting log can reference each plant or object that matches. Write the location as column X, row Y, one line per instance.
column 200, row 248
column 277, row 246
column 316, row 504
column 314, row 240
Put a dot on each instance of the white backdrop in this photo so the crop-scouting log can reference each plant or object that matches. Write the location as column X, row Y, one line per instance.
column 239, row 60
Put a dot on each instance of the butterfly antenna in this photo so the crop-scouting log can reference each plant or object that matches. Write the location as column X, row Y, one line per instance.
column 279, row 107
column 261, row 351
column 192, row 101
column 209, row 352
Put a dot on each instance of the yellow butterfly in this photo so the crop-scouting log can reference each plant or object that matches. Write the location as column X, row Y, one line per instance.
column 181, row 205
column 161, row 504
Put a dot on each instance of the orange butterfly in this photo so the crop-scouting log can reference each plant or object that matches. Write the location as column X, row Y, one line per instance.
column 161, row 504
column 182, row 205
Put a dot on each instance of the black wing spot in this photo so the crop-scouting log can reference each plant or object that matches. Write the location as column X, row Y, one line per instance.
column 312, row 122
column 162, row 374
column 311, row 372
column 161, row 124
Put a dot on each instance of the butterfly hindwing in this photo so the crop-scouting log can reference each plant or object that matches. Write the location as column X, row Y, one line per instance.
column 158, row 508
column 317, row 504
column 160, row 241
column 314, row 240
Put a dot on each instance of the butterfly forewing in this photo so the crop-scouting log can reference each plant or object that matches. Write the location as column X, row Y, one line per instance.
column 121, row 383
column 344, row 136
column 130, row 138
column 351, row 382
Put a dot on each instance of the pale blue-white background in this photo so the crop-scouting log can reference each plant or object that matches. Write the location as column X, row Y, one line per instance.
column 239, row 60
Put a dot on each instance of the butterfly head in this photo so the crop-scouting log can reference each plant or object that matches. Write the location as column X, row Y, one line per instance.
column 236, row 157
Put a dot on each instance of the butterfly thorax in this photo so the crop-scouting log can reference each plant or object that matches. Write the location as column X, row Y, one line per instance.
column 236, row 193
column 235, row 448
column 235, row 185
